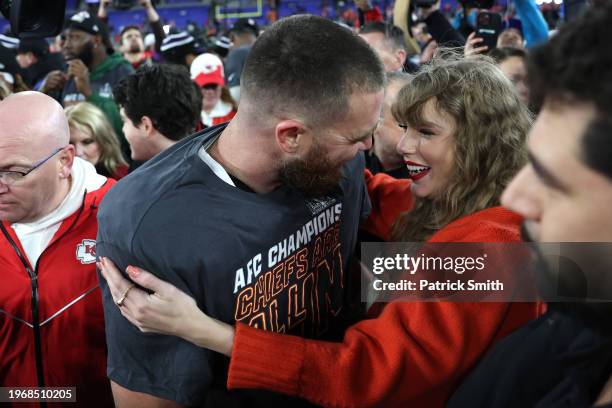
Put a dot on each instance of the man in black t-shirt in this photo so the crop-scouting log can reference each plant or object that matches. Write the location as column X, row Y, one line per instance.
column 255, row 219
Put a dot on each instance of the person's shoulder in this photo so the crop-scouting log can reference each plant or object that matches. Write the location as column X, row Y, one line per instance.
column 148, row 183
column 495, row 224
column 94, row 197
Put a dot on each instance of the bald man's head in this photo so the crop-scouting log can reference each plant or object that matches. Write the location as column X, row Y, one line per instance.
column 35, row 157
column 34, row 120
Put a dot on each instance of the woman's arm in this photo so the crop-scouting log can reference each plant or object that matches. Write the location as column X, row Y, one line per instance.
column 167, row 310
column 413, row 353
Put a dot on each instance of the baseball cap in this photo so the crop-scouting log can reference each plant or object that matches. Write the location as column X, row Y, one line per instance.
column 207, row 69
column 85, row 22
column 37, row 46
column 246, row 25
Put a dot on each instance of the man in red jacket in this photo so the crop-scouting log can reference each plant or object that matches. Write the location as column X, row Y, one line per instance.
column 51, row 319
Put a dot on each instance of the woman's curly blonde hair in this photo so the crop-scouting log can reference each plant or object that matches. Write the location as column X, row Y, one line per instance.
column 491, row 124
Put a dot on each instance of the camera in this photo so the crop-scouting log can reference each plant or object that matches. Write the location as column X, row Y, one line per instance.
column 33, row 18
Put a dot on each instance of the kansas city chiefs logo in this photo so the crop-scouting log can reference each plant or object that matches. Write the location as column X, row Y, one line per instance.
column 86, row 251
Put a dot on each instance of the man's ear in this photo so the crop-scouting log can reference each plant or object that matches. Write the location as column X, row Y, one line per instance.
column 401, row 56
column 290, row 135
column 146, row 125
column 66, row 159
column 97, row 41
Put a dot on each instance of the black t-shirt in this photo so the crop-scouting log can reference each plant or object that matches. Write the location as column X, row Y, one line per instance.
column 276, row 261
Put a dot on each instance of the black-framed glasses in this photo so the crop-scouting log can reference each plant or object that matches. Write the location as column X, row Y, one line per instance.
column 10, row 177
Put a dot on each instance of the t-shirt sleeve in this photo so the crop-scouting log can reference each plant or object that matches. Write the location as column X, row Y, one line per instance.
column 163, row 366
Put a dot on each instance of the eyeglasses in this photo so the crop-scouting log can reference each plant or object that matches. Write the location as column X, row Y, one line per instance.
column 10, row 177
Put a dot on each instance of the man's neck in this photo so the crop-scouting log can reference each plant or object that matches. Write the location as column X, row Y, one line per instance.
column 243, row 156
column 54, row 202
column 161, row 144
column 98, row 58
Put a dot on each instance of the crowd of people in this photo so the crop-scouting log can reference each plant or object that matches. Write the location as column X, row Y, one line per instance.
column 180, row 225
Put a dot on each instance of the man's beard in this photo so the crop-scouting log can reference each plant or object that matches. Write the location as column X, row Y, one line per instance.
column 560, row 277
column 86, row 55
column 314, row 176
column 135, row 48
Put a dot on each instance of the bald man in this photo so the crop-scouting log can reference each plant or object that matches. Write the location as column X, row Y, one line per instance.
column 51, row 318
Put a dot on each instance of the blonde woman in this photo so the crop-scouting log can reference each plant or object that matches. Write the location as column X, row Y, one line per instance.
column 464, row 134
column 95, row 140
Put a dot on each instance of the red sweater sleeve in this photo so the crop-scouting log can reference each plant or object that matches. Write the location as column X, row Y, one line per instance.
column 412, row 354
column 390, row 197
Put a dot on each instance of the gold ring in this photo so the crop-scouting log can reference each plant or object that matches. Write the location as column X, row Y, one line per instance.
column 124, row 296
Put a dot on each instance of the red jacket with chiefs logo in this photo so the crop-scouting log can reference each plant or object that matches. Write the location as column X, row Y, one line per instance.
column 51, row 317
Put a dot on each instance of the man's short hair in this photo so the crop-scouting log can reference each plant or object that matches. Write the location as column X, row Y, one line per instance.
column 166, row 94
column 128, row 28
column 393, row 34
column 309, row 66
column 574, row 67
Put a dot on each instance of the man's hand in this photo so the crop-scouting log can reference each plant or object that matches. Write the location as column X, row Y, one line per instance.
column 167, row 310
column 80, row 72
column 146, row 4
column 54, row 81
column 471, row 47
column 103, row 8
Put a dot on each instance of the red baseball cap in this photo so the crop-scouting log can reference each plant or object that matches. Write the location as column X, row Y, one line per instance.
column 207, row 69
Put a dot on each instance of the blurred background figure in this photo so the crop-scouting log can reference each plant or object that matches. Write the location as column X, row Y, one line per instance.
column 36, row 60
column 367, row 13
column 179, row 48
column 93, row 68
column 132, row 44
column 383, row 157
column 95, row 140
column 133, row 48
column 512, row 63
column 512, row 38
column 10, row 73
column 242, row 35
column 388, row 42
column 427, row 43
column 218, row 106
